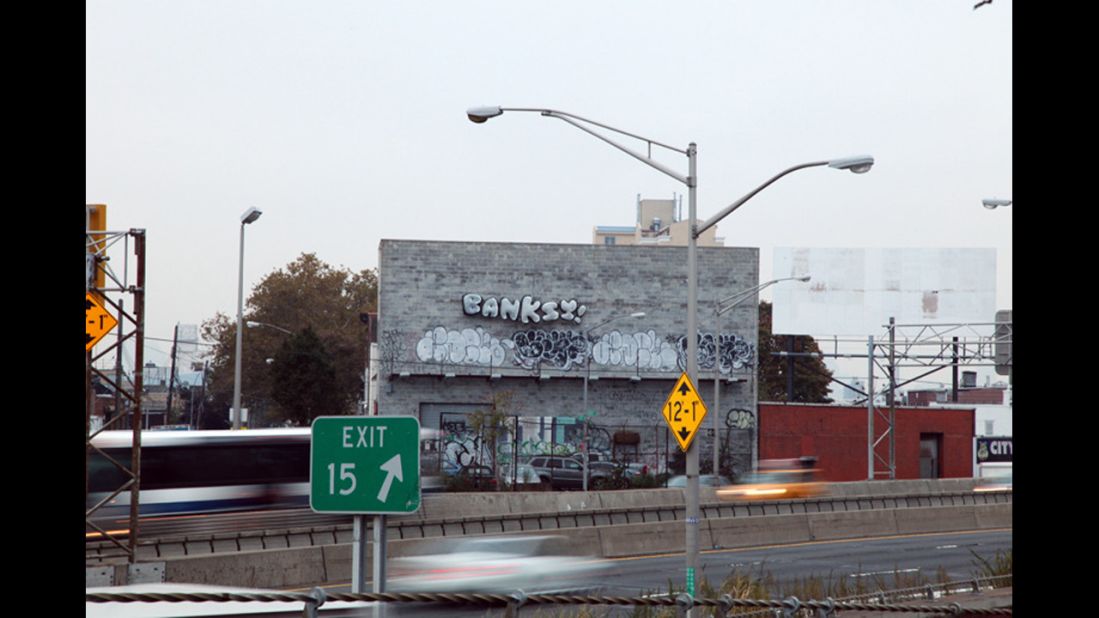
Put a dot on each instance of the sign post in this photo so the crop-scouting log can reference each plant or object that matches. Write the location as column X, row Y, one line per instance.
column 365, row 465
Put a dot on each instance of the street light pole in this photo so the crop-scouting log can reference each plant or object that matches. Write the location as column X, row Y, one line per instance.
column 587, row 371
column 249, row 216
column 857, row 165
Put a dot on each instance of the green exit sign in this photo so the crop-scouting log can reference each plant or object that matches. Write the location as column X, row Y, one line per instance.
column 365, row 465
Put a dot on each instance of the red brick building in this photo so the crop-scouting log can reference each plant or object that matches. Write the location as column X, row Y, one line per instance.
column 930, row 442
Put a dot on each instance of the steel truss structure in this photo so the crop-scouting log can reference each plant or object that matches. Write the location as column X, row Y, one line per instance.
column 111, row 290
column 927, row 348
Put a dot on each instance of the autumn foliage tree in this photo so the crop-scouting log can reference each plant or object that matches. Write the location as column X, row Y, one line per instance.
column 811, row 377
column 305, row 295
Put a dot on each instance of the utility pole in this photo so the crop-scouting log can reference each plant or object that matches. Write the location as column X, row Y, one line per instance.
column 172, row 375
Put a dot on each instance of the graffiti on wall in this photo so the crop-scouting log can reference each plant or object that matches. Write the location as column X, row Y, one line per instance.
column 739, row 418
column 556, row 348
column 526, row 309
column 644, row 350
column 566, row 349
column 391, row 348
column 726, row 352
column 469, row 346
column 462, row 446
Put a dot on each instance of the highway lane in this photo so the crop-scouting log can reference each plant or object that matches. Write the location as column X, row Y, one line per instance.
column 869, row 561
column 866, row 564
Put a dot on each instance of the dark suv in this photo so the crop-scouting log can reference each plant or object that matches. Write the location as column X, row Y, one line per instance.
column 567, row 472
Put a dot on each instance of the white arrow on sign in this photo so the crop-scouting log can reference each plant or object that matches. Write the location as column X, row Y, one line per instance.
column 392, row 469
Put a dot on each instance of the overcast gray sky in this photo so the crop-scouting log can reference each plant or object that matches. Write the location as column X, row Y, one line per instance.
column 344, row 122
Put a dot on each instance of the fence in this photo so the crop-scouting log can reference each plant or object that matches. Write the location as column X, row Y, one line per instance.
column 512, row 603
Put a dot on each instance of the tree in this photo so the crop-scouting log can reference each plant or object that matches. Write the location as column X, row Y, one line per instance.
column 305, row 294
column 304, row 380
column 811, row 376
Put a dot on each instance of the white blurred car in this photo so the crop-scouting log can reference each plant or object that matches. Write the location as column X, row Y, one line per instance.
column 533, row 564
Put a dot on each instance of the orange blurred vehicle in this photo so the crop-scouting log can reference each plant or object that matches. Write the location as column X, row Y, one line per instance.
column 777, row 479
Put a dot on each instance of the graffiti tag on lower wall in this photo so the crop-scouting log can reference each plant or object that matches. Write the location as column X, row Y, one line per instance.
column 566, row 349
column 739, row 418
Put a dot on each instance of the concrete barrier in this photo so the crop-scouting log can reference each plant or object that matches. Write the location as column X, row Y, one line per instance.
column 991, row 516
column 752, row 531
column 282, row 568
column 851, row 524
column 936, row 519
column 636, row 498
column 643, row 539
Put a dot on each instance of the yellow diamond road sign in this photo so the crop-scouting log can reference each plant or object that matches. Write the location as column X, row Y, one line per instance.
column 97, row 321
column 684, row 411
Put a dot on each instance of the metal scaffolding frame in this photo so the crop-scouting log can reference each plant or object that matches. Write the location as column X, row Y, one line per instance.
column 926, row 347
column 130, row 326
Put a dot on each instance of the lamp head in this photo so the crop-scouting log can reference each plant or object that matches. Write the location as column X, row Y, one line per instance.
column 250, row 215
column 804, row 279
column 639, row 314
column 994, row 203
column 857, row 165
column 481, row 114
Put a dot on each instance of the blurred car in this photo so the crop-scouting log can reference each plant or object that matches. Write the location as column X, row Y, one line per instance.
column 775, row 485
column 479, row 477
column 704, row 480
column 994, row 483
column 533, row 564
column 524, row 476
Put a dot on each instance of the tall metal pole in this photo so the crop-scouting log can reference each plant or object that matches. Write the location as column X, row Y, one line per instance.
column 240, row 328
column 892, row 401
column 870, row 409
column 587, row 370
column 139, row 386
column 717, row 403
column 693, row 513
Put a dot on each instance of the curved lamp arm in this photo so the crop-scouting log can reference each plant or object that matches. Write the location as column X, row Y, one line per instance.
column 481, row 114
column 858, row 165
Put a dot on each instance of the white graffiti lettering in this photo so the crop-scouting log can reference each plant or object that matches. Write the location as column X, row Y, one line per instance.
column 526, row 309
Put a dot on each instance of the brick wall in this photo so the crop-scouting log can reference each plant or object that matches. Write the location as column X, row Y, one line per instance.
column 451, row 358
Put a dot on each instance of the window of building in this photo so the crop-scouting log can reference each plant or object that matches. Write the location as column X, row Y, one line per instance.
column 608, row 240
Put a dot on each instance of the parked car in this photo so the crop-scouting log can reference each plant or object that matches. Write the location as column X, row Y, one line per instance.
column 567, row 472
column 479, row 477
column 533, row 564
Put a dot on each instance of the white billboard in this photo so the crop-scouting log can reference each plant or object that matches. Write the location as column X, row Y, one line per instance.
column 855, row 291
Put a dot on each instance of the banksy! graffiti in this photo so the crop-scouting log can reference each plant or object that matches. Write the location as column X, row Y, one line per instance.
column 526, row 309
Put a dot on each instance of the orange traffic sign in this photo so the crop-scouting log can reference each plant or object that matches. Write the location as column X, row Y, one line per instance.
column 684, row 411
column 98, row 322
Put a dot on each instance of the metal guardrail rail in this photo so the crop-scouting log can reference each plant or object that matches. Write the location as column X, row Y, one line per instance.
column 102, row 552
column 790, row 606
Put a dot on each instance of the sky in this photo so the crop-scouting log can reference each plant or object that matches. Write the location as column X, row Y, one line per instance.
column 344, row 122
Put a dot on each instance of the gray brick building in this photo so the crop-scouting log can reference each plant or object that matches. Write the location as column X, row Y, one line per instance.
column 464, row 325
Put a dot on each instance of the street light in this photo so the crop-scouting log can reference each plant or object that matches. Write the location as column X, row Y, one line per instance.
column 993, row 203
column 249, row 216
column 858, row 165
column 587, row 372
column 253, row 324
column 721, row 309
